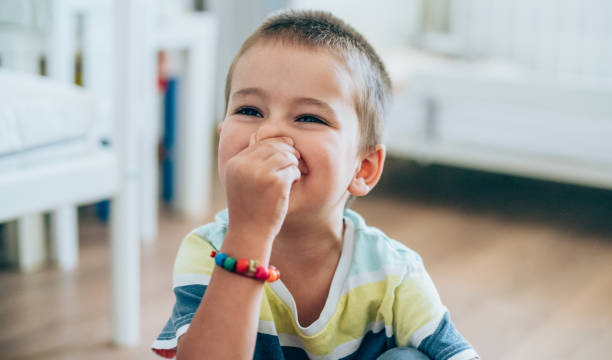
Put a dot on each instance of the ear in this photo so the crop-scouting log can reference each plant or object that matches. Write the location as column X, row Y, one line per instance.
column 369, row 171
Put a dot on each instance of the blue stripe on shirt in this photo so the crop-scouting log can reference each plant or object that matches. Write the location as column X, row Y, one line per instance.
column 188, row 299
column 445, row 342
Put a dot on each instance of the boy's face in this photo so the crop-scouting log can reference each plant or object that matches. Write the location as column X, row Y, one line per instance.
column 303, row 94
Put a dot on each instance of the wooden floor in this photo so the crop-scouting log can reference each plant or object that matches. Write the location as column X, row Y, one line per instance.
column 524, row 266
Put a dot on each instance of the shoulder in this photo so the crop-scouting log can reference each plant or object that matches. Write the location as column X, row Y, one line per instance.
column 377, row 256
column 215, row 231
column 418, row 316
column 193, row 256
column 374, row 250
column 414, row 301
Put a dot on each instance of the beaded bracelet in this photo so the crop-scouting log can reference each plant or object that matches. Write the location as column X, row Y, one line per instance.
column 249, row 268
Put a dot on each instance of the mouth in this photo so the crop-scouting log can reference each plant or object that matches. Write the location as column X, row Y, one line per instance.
column 302, row 167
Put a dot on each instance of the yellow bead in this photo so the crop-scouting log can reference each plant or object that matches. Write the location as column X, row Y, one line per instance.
column 253, row 264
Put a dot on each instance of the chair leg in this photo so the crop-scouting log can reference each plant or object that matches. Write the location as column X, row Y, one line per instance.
column 31, row 252
column 125, row 261
column 65, row 237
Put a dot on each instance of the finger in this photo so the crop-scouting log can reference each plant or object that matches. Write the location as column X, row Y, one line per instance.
column 296, row 174
column 284, row 139
column 278, row 146
column 280, row 160
column 264, row 150
column 291, row 173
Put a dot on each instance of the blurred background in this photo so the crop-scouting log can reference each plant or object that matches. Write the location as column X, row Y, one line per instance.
column 499, row 171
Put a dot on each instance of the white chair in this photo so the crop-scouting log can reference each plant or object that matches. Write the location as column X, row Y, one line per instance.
column 56, row 169
column 51, row 160
column 53, row 26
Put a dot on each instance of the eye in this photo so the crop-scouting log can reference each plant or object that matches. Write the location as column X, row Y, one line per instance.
column 311, row 119
column 248, row 111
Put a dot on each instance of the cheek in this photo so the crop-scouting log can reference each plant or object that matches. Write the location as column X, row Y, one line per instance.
column 229, row 146
column 334, row 160
column 347, row 162
column 226, row 149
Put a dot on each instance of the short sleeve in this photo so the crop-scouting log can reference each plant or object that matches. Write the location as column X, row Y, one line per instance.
column 416, row 307
column 423, row 322
column 192, row 270
column 447, row 343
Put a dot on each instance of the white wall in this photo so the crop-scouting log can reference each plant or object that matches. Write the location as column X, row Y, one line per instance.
column 385, row 23
column 565, row 39
column 237, row 19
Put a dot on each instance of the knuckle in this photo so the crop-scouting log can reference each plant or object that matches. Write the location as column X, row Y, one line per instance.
column 291, row 157
column 286, row 157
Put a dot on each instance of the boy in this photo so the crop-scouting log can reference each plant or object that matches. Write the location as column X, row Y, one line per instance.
column 305, row 98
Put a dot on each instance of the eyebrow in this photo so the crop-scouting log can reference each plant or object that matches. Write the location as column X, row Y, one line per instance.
column 315, row 102
column 250, row 91
column 302, row 100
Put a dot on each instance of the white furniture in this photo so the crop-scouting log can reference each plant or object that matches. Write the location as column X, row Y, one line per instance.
column 531, row 128
column 526, row 90
column 51, row 28
column 42, row 123
column 50, row 154
column 46, row 168
column 52, row 160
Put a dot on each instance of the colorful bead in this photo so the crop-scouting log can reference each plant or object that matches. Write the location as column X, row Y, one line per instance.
column 253, row 264
column 230, row 264
column 242, row 266
column 273, row 274
column 220, row 259
column 250, row 268
column 261, row 273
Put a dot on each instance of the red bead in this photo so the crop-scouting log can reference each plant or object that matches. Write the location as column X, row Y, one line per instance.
column 213, row 254
column 242, row 266
column 261, row 273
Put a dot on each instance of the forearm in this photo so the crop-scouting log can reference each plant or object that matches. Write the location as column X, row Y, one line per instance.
column 225, row 324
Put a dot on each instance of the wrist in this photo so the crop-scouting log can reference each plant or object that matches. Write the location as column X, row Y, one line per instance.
column 246, row 267
column 248, row 244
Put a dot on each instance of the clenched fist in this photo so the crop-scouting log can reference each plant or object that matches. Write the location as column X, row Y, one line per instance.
column 258, row 183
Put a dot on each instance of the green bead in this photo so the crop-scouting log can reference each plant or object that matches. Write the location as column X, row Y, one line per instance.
column 230, row 264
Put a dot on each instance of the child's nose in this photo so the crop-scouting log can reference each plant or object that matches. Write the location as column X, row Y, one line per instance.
column 270, row 128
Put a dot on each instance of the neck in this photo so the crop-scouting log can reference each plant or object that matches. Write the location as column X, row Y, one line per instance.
column 314, row 238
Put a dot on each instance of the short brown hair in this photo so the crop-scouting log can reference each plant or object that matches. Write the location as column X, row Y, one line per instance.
column 319, row 29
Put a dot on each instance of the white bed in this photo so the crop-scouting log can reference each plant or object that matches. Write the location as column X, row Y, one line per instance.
column 525, row 88
column 495, row 116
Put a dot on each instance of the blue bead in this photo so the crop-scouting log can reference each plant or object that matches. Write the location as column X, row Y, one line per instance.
column 220, row 259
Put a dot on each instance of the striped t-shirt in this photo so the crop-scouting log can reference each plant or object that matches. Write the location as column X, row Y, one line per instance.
column 380, row 297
